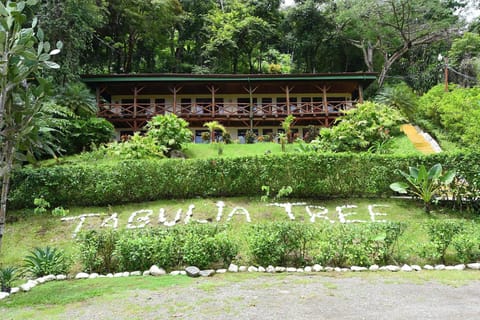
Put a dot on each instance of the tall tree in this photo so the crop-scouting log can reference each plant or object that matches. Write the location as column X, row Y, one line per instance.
column 386, row 29
column 74, row 22
column 235, row 35
column 22, row 54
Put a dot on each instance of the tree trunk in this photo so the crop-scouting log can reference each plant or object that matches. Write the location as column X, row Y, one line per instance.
column 8, row 158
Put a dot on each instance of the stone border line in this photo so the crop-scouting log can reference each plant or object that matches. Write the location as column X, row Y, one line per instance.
column 193, row 271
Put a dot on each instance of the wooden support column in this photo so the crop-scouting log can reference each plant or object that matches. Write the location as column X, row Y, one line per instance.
column 136, row 91
column 99, row 92
column 251, row 91
column 324, row 90
column 360, row 93
column 175, row 90
column 287, row 91
column 213, row 90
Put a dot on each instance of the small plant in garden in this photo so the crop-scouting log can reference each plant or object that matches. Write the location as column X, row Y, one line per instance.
column 41, row 205
column 424, row 184
column 212, row 127
column 441, row 234
column 250, row 137
column 60, row 212
column 284, row 191
column 205, row 137
column 44, row 261
column 7, row 276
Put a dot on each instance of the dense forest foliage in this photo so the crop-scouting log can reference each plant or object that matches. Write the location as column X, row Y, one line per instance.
column 396, row 38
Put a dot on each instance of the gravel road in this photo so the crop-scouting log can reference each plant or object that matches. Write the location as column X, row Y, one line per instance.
column 293, row 296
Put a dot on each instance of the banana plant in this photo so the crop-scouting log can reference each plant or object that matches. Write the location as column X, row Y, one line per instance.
column 424, row 184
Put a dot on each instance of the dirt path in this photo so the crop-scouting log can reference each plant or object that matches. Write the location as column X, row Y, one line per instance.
column 292, row 297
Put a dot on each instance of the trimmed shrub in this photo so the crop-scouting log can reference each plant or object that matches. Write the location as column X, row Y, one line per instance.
column 311, row 175
column 280, row 243
column 96, row 251
column 441, row 234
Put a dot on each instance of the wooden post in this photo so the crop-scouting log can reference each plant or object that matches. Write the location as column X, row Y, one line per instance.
column 324, row 90
column 287, row 91
column 175, row 90
column 251, row 91
column 213, row 90
column 360, row 93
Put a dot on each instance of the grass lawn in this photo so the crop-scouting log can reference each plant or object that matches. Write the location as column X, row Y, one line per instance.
column 31, row 230
column 400, row 145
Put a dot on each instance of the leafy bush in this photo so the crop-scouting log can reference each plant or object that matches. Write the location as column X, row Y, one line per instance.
column 169, row 131
column 424, row 184
column 44, row 261
column 137, row 147
column 130, row 250
column 280, row 243
column 456, row 111
column 96, row 251
column 400, row 97
column 441, row 234
column 362, row 127
column 360, row 245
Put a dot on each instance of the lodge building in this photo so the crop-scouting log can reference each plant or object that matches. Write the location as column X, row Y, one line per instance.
column 239, row 102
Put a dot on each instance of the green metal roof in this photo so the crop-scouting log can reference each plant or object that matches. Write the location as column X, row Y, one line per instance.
column 227, row 78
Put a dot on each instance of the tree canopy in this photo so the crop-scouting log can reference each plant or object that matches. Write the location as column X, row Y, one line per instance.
column 253, row 36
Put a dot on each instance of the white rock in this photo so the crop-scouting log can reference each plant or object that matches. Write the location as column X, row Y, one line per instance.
column 280, row 269
column 317, row 268
column 156, row 271
column 232, row 268
column 440, row 267
column 146, row 273
column 392, row 268
column 50, row 277
column 93, row 275
column 118, row 275
column 270, row 269
column 25, row 287
column 428, row 267
column 242, row 269
column 474, row 266
column 61, row 277
column 358, row 269
column 175, row 273
column 374, row 267
column 290, row 269
column 183, row 272
column 300, row 270
column 3, row 295
column 459, row 267
column 449, row 268
column 345, row 270
column 252, row 269
column 261, row 269
column 126, row 274
column 14, row 290
column 416, row 267
column 329, row 269
column 337, row 269
column 82, row 275
column 40, row 280
column 110, row 275
column 308, row 269
column 221, row 271
column 102, row 276
column 135, row 273
column 406, row 268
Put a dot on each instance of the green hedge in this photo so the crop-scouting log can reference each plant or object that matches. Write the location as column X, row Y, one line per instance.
column 310, row 175
column 281, row 243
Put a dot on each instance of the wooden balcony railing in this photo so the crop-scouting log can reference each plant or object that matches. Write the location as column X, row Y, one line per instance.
column 225, row 110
